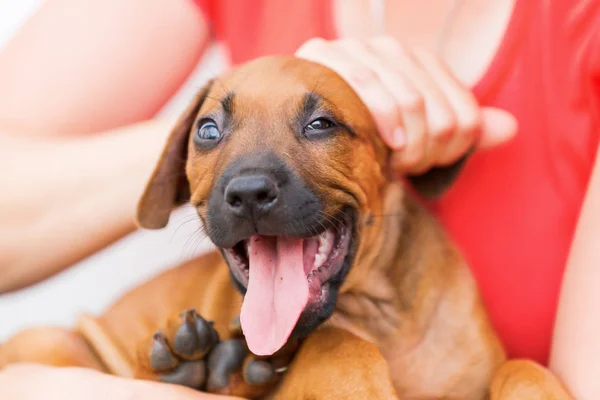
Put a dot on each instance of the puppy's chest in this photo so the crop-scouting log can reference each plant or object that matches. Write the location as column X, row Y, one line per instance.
column 413, row 364
column 422, row 362
column 418, row 367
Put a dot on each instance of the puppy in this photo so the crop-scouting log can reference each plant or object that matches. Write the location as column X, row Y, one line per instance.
column 345, row 286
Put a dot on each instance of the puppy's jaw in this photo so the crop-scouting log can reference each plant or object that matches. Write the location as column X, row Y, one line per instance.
column 327, row 259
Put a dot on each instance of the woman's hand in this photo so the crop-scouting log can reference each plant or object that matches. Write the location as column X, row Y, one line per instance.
column 422, row 111
column 33, row 382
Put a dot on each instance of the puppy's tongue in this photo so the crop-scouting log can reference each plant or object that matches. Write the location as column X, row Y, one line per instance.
column 277, row 292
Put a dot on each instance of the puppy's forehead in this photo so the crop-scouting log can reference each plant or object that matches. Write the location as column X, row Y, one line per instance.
column 277, row 79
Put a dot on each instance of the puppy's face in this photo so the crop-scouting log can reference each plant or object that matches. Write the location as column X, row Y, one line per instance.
column 283, row 163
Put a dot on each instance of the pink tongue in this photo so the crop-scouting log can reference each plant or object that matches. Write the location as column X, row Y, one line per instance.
column 277, row 293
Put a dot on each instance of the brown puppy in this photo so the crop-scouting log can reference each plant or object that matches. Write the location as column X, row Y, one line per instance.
column 284, row 165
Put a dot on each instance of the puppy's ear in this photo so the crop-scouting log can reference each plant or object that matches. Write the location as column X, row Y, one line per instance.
column 433, row 183
column 168, row 186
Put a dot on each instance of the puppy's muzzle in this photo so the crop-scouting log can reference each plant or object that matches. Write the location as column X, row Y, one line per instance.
column 261, row 194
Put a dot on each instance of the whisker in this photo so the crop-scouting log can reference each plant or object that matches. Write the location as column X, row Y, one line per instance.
column 388, row 215
column 213, row 98
column 332, row 91
column 192, row 218
column 314, row 89
column 187, row 242
column 202, row 239
column 327, row 218
column 337, row 220
column 324, row 227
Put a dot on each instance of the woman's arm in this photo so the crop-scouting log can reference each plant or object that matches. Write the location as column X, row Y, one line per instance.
column 576, row 348
column 79, row 67
column 88, row 66
column 34, row 382
column 65, row 198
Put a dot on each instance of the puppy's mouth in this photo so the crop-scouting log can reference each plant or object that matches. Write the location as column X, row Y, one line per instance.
column 287, row 278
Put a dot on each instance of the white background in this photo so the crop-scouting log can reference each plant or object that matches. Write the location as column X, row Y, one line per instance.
column 93, row 284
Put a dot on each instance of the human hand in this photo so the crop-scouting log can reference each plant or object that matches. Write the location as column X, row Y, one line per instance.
column 422, row 111
column 33, row 382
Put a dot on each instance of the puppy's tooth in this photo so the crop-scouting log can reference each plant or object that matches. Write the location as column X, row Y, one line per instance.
column 185, row 342
column 325, row 245
column 206, row 334
column 161, row 357
column 330, row 239
column 190, row 373
column 257, row 372
column 318, row 260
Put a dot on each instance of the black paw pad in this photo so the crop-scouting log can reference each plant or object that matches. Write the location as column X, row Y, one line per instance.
column 257, row 372
column 189, row 373
column 185, row 340
column 208, row 336
column 161, row 358
column 193, row 337
column 225, row 358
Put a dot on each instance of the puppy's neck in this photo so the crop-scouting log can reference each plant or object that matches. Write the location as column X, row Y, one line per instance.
column 418, row 301
column 403, row 273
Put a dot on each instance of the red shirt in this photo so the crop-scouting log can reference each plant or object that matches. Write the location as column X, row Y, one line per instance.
column 513, row 210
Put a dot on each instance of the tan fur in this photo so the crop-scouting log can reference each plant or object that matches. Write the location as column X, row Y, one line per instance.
column 409, row 322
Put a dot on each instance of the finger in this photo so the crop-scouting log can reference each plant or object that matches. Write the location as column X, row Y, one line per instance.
column 440, row 117
column 497, row 127
column 463, row 102
column 32, row 382
column 409, row 101
column 361, row 78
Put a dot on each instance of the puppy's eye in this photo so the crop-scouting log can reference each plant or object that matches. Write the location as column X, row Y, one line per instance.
column 319, row 125
column 207, row 132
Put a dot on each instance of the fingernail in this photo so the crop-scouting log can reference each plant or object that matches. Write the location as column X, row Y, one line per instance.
column 398, row 138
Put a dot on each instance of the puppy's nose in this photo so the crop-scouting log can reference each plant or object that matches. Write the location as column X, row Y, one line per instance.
column 251, row 196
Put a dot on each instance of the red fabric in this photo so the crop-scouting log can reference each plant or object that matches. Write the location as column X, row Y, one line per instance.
column 513, row 210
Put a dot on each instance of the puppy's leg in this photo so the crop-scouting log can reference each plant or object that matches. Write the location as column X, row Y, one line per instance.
column 176, row 353
column 335, row 364
column 51, row 346
column 521, row 379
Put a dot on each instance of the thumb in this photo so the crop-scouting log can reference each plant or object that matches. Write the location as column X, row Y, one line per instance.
column 497, row 127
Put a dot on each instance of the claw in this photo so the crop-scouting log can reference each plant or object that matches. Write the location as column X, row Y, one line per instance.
column 207, row 335
column 185, row 341
column 191, row 374
column 161, row 357
column 257, row 372
column 225, row 358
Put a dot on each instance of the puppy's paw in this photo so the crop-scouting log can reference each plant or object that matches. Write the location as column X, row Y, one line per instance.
column 177, row 354
column 189, row 352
